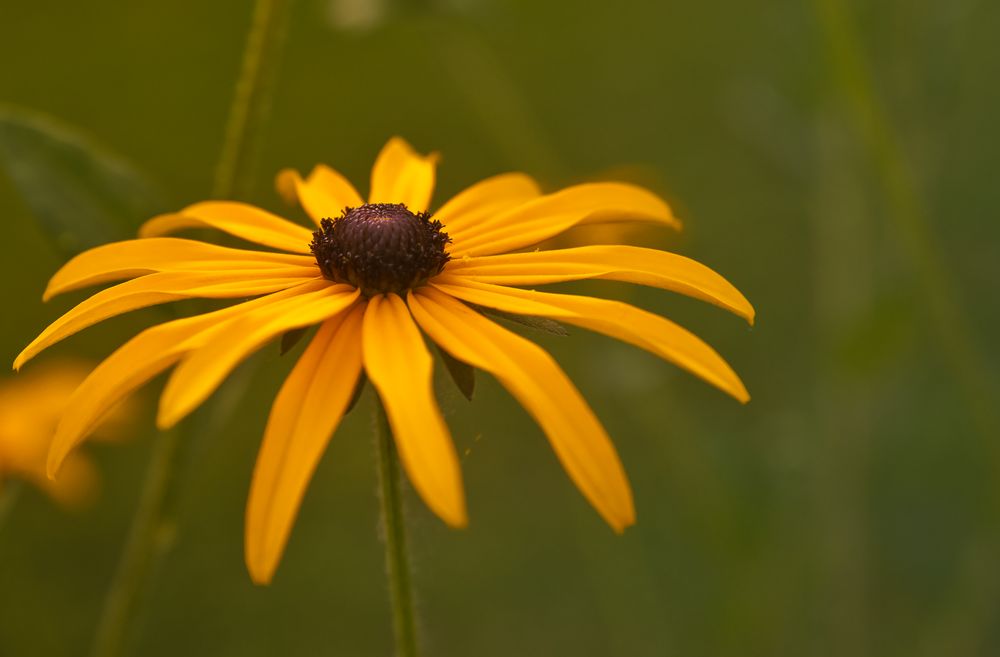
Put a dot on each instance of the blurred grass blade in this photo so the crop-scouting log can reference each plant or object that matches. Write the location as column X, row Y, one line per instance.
column 80, row 193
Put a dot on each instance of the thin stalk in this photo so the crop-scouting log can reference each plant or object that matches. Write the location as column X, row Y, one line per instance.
column 977, row 598
column 397, row 563
column 150, row 538
column 252, row 100
column 908, row 216
column 9, row 492
column 151, row 534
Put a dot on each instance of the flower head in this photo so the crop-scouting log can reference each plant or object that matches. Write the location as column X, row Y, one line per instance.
column 30, row 408
column 375, row 276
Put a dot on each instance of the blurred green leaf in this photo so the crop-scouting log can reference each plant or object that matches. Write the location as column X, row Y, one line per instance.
column 80, row 193
column 291, row 338
column 463, row 374
column 359, row 387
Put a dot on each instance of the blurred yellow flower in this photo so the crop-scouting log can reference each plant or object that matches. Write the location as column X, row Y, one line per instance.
column 372, row 275
column 30, row 408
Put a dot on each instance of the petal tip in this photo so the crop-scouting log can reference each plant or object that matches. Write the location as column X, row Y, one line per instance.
column 285, row 184
column 54, row 463
column 167, row 417
column 259, row 574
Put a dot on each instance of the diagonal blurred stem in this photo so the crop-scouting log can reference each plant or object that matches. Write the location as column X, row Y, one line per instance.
column 397, row 562
column 252, row 100
column 978, row 589
column 907, row 213
column 10, row 491
column 150, row 536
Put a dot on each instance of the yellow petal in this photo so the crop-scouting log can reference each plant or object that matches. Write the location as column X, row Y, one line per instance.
column 400, row 175
column 77, row 485
column 201, row 372
column 463, row 213
column 305, row 414
column 159, row 288
column 613, row 318
column 323, row 194
column 538, row 383
column 399, row 366
column 139, row 360
column 631, row 264
column 550, row 215
column 240, row 219
column 132, row 258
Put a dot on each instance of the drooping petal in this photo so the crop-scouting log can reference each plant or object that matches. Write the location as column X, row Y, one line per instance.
column 401, row 175
column 540, row 385
column 464, row 212
column 323, row 194
column 139, row 360
column 552, row 214
column 613, row 318
column 132, row 258
column 399, row 366
column 305, row 414
column 154, row 289
column 203, row 370
column 239, row 219
column 631, row 264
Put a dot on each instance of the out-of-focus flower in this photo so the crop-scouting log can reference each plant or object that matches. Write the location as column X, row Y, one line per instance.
column 372, row 275
column 31, row 405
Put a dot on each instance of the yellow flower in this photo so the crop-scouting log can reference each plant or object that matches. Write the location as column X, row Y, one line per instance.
column 372, row 276
column 30, row 407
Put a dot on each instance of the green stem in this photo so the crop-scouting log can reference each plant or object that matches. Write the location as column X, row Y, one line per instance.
column 908, row 216
column 150, row 538
column 151, row 534
column 397, row 563
column 9, row 492
column 252, row 100
column 968, row 630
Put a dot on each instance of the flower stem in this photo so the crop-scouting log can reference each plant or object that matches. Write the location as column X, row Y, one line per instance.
column 252, row 100
column 150, row 538
column 397, row 563
column 151, row 534
column 9, row 492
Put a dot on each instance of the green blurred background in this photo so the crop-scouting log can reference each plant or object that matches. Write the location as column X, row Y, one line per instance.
column 836, row 160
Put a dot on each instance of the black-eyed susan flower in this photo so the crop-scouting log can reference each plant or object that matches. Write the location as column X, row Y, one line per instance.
column 30, row 407
column 374, row 276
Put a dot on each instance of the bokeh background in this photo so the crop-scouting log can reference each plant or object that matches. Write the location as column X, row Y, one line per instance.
column 835, row 159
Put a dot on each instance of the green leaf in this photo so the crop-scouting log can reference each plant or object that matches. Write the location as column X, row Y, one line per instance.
column 359, row 387
column 463, row 374
column 291, row 338
column 81, row 194
column 538, row 323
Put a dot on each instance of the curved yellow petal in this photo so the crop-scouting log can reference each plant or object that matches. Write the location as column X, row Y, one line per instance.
column 538, row 383
column 399, row 366
column 552, row 214
column 305, row 414
column 201, row 372
column 239, row 219
column 401, row 175
column 154, row 289
column 139, row 360
column 465, row 211
column 323, row 194
column 132, row 258
column 619, row 320
column 77, row 485
column 631, row 264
